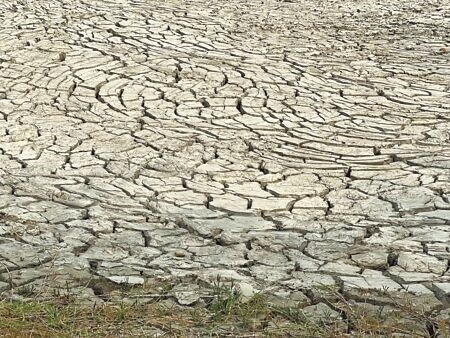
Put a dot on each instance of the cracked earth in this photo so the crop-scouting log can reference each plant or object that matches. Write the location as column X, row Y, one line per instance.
column 283, row 145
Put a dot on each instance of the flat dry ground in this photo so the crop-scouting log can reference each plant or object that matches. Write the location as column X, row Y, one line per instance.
column 287, row 146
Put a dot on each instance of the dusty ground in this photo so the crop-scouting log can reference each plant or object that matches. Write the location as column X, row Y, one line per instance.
column 282, row 145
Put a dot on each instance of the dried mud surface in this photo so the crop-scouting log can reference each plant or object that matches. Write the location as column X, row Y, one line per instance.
column 284, row 145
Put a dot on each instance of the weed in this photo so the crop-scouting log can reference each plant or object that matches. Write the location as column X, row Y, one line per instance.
column 226, row 315
column 28, row 291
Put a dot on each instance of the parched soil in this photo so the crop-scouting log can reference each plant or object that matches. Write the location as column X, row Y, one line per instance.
column 297, row 151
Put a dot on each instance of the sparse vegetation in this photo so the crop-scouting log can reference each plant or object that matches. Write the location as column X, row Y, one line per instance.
column 224, row 315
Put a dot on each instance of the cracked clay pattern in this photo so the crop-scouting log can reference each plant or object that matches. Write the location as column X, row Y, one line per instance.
column 283, row 145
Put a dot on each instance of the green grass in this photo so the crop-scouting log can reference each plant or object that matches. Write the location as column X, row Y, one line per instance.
column 19, row 319
column 224, row 314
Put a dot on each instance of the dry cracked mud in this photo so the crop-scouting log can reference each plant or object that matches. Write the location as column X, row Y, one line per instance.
column 284, row 145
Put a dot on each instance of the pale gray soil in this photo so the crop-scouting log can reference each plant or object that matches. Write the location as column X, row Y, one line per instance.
column 284, row 145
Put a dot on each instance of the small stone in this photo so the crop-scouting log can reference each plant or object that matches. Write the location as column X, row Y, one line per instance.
column 246, row 291
column 180, row 253
column 186, row 294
